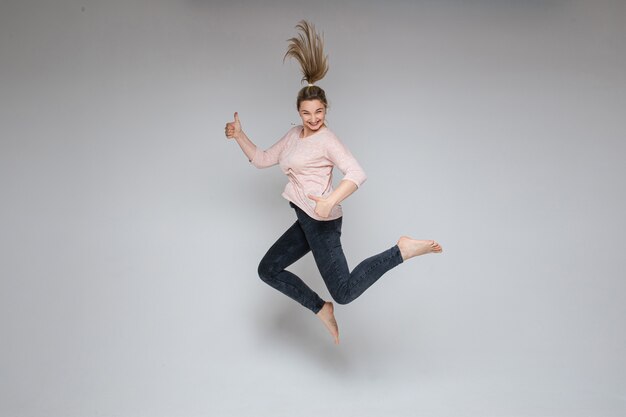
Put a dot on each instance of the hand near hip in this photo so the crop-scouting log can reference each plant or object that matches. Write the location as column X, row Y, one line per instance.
column 233, row 129
column 323, row 205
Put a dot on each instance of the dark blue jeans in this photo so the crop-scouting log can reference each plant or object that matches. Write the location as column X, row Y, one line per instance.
column 323, row 239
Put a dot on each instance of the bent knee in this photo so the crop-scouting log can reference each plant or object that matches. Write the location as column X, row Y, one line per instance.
column 342, row 298
column 266, row 271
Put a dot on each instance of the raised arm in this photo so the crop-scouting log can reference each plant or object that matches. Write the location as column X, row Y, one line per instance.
column 257, row 157
column 233, row 131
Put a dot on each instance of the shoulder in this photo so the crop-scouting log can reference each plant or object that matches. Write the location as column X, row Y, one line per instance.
column 333, row 147
column 331, row 140
column 329, row 136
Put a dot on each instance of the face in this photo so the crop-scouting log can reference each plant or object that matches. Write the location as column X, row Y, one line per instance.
column 312, row 113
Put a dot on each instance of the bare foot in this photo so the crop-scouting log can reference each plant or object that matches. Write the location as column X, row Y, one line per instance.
column 326, row 314
column 412, row 247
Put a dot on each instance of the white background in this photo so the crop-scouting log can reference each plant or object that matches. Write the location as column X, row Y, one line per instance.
column 131, row 229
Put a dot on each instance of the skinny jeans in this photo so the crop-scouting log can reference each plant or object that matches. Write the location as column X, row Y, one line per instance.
column 322, row 238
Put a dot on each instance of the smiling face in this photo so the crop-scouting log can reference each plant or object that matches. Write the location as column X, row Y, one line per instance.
column 312, row 113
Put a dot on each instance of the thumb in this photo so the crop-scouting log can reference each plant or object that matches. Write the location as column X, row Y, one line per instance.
column 312, row 197
column 236, row 117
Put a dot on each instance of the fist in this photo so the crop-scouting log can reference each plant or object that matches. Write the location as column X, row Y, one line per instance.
column 233, row 129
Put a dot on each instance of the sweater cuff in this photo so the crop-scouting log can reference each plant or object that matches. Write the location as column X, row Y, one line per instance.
column 357, row 178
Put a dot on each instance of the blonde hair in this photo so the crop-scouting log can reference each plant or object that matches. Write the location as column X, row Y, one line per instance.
column 308, row 50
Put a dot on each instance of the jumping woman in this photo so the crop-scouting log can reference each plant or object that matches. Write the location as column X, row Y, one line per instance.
column 307, row 154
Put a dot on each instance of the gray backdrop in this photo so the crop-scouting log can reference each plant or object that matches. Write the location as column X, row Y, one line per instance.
column 131, row 229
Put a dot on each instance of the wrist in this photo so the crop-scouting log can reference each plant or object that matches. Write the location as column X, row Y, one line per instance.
column 332, row 199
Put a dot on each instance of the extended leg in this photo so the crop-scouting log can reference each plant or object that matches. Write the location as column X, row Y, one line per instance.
column 346, row 286
column 325, row 243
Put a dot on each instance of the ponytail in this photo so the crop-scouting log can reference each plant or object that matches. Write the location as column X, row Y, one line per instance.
column 308, row 50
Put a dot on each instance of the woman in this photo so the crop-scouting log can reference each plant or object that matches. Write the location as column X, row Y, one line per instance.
column 307, row 154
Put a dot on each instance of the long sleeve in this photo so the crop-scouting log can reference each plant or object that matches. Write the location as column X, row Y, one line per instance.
column 269, row 157
column 341, row 156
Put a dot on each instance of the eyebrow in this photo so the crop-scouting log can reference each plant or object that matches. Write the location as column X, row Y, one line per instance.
column 321, row 108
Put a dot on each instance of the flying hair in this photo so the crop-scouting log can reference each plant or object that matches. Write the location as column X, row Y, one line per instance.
column 308, row 49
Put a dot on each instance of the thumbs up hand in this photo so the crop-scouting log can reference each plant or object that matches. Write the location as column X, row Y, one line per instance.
column 323, row 205
column 233, row 129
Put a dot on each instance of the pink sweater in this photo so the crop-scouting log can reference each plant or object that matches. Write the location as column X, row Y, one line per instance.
column 308, row 163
